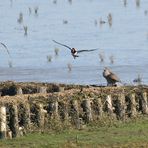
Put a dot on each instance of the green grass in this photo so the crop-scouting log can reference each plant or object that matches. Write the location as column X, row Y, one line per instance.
column 130, row 134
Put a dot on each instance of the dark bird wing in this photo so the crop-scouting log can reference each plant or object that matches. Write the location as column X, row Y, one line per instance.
column 5, row 47
column 62, row 44
column 89, row 50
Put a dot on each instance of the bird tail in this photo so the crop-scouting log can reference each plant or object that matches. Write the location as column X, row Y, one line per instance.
column 75, row 56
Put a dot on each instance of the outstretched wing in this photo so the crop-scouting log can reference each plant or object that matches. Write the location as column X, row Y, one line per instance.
column 5, row 47
column 87, row 50
column 62, row 44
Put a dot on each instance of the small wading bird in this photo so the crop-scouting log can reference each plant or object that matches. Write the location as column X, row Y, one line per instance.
column 75, row 52
column 110, row 77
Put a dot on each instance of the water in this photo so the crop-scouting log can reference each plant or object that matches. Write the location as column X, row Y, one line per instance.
column 126, row 40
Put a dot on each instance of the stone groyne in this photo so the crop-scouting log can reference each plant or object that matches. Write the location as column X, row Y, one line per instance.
column 27, row 106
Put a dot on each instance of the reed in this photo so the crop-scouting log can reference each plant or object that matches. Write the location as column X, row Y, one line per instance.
column 10, row 64
column 138, row 3
column 36, row 10
column 125, row 3
column 70, row 1
column 65, row 21
column 110, row 19
column 54, row 1
column 25, row 30
column 95, row 22
column 69, row 66
column 111, row 58
column 30, row 10
column 49, row 58
column 20, row 19
column 102, row 21
column 145, row 12
column 56, row 51
column 101, row 56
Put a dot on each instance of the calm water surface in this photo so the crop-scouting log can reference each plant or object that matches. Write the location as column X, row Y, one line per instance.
column 126, row 40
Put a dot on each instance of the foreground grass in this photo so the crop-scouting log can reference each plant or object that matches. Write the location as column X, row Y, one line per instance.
column 130, row 134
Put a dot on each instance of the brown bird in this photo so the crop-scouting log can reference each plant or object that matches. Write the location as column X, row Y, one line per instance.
column 74, row 52
column 110, row 77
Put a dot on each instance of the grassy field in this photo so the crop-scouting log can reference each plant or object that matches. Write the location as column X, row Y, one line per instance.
column 131, row 134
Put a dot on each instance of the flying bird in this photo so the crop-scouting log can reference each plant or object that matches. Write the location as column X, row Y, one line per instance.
column 74, row 52
column 5, row 47
column 110, row 77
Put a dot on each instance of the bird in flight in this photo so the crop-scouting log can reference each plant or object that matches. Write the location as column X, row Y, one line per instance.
column 110, row 77
column 74, row 52
column 5, row 47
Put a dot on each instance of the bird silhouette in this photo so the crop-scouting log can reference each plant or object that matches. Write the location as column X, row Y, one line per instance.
column 110, row 77
column 5, row 47
column 74, row 51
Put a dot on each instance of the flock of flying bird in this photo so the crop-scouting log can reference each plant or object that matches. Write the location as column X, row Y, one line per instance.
column 110, row 77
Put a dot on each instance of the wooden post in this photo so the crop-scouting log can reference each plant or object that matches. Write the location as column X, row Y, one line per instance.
column 121, row 106
column 3, row 122
column 109, row 104
column 75, row 114
column 41, row 116
column 75, row 107
column 14, row 126
column 65, row 109
column 54, row 109
column 27, row 123
column 88, row 110
column 133, row 111
column 61, row 89
column 22, row 131
column 19, row 91
column 42, row 90
column 144, row 102
column 100, row 107
column 9, row 134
